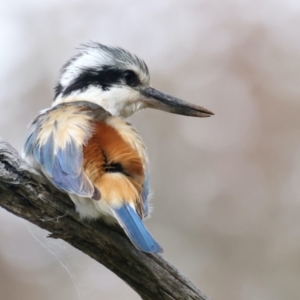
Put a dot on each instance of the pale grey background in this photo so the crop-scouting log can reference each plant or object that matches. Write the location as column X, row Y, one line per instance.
column 226, row 201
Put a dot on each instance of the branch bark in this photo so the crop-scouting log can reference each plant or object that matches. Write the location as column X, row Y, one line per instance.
column 28, row 195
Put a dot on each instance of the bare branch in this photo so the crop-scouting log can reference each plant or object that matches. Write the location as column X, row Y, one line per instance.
column 28, row 195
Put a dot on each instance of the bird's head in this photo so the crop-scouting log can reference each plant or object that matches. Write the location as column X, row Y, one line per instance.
column 118, row 81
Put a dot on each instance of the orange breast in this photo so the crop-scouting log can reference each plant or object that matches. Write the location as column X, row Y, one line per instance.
column 113, row 166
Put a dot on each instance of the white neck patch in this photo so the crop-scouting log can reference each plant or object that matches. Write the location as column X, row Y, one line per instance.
column 120, row 101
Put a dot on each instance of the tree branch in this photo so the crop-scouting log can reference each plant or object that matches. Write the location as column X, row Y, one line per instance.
column 28, row 195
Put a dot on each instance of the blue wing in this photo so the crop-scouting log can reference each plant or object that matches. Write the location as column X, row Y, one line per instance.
column 135, row 229
column 61, row 164
column 65, row 167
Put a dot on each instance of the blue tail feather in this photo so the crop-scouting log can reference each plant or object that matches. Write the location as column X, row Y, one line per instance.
column 136, row 230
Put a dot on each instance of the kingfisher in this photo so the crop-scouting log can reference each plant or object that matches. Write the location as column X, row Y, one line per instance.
column 84, row 145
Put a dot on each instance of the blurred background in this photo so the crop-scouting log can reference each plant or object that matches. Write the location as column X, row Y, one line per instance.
column 226, row 189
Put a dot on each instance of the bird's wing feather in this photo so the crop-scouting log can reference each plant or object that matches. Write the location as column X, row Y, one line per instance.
column 135, row 229
column 53, row 147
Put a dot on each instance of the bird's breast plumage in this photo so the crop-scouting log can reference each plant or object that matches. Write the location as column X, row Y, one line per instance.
column 114, row 167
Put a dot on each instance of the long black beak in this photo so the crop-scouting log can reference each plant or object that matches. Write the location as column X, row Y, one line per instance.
column 158, row 100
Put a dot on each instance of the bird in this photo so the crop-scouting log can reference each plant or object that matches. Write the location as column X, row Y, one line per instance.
column 85, row 146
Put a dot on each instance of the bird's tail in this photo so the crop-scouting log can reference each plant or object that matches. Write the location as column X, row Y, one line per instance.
column 135, row 229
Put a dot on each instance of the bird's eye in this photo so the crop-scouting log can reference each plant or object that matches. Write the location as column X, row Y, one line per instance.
column 131, row 78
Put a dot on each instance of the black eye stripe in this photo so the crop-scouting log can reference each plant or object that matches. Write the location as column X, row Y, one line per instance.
column 104, row 78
